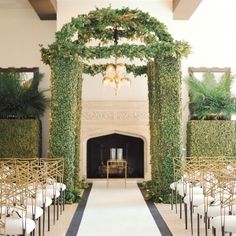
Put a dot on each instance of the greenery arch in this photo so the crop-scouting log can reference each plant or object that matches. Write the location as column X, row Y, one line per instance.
column 67, row 57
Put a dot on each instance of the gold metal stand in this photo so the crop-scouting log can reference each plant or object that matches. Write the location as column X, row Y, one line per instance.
column 116, row 164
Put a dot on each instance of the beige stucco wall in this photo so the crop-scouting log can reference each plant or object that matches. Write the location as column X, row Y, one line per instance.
column 21, row 32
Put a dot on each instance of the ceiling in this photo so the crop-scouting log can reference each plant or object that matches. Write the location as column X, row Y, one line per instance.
column 44, row 8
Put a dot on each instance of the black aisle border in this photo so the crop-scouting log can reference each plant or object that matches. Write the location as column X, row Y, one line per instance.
column 161, row 224
column 76, row 220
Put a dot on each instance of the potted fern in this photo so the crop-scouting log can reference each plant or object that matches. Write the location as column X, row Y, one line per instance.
column 19, row 99
column 21, row 105
column 210, row 132
column 211, row 99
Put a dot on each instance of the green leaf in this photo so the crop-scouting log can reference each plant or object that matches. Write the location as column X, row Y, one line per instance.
column 210, row 99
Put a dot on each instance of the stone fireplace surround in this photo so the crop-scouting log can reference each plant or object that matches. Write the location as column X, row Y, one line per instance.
column 122, row 117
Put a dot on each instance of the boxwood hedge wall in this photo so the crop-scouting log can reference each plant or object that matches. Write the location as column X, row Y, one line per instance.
column 211, row 138
column 20, row 138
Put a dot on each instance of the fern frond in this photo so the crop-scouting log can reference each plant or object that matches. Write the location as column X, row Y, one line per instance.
column 209, row 98
column 21, row 100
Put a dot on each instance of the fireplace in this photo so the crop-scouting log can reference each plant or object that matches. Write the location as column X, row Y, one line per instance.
column 124, row 119
column 115, row 146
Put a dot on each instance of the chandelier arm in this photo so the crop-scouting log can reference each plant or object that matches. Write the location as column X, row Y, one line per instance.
column 115, row 34
column 115, row 73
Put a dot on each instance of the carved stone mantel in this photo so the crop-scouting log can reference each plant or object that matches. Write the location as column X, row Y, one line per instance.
column 121, row 115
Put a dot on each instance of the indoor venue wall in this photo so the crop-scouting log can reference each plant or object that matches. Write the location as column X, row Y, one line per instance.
column 21, row 33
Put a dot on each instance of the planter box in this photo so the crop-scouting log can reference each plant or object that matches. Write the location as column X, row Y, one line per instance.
column 20, row 138
column 211, row 138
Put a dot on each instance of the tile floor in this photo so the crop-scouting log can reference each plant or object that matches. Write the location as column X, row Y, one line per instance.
column 101, row 196
column 177, row 225
column 61, row 226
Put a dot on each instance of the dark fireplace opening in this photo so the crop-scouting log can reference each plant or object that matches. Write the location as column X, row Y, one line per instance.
column 116, row 146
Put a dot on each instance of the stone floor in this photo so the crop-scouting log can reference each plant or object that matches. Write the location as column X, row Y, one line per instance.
column 177, row 225
column 106, row 203
column 61, row 226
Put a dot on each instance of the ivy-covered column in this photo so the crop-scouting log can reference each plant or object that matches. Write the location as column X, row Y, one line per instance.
column 78, row 125
column 165, row 127
column 152, row 96
column 65, row 80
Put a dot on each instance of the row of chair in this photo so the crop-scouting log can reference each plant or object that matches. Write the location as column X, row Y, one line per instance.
column 28, row 187
column 207, row 188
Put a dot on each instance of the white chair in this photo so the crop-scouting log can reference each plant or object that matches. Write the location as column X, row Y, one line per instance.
column 55, row 173
column 13, row 201
column 192, row 201
column 28, row 193
column 54, row 194
column 13, row 226
column 225, row 222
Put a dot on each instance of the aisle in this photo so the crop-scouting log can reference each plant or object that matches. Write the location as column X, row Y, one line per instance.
column 117, row 211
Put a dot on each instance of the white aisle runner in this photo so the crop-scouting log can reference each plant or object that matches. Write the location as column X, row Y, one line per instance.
column 117, row 211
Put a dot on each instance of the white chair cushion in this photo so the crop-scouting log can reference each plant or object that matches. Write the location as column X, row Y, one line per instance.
column 197, row 199
column 51, row 192
column 184, row 190
column 14, row 226
column 197, row 190
column 60, row 186
column 42, row 199
column 38, row 211
column 173, row 185
column 181, row 187
column 212, row 210
column 230, row 222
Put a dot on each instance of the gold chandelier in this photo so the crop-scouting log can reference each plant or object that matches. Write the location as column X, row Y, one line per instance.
column 115, row 75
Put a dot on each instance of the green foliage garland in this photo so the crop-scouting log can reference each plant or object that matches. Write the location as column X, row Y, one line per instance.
column 211, row 138
column 68, row 55
column 20, row 138
column 100, row 24
column 96, row 69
